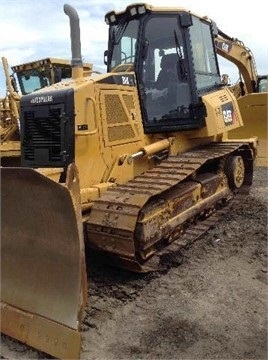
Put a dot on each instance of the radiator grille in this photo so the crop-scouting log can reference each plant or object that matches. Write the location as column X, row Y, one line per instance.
column 115, row 111
column 128, row 99
column 43, row 134
column 120, row 126
column 121, row 132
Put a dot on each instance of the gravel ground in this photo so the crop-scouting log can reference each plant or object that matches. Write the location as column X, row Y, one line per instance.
column 210, row 302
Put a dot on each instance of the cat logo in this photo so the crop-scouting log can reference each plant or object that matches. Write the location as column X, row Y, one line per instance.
column 228, row 114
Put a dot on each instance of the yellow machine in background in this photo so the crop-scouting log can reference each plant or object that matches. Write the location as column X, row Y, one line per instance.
column 125, row 162
column 25, row 79
column 251, row 93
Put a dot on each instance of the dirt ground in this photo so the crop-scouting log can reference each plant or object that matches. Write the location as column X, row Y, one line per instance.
column 210, row 302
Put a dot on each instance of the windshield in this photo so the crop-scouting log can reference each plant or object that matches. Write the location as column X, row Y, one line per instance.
column 164, row 73
column 124, row 40
column 32, row 80
column 204, row 57
column 36, row 79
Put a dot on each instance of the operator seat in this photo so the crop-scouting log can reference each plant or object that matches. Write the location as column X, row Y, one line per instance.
column 167, row 72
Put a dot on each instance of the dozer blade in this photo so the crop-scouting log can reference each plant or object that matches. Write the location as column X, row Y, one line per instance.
column 43, row 279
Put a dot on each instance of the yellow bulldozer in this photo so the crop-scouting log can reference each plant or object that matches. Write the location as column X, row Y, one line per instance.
column 25, row 79
column 251, row 93
column 131, row 163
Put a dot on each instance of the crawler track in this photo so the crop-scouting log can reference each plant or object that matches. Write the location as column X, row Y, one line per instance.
column 155, row 213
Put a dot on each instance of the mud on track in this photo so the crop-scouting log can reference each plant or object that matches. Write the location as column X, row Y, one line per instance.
column 209, row 302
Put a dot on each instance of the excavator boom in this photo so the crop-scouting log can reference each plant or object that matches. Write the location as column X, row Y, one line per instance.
column 235, row 51
column 252, row 99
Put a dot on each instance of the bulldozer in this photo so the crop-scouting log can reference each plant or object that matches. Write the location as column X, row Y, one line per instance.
column 129, row 164
column 25, row 79
column 251, row 93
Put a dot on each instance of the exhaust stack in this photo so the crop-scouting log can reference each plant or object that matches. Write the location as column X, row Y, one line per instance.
column 77, row 63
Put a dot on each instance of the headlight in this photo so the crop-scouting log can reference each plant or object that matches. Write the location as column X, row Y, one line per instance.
column 110, row 18
column 141, row 10
column 133, row 11
column 137, row 10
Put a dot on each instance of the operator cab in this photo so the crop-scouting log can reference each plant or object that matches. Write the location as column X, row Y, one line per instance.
column 173, row 56
column 38, row 74
column 35, row 79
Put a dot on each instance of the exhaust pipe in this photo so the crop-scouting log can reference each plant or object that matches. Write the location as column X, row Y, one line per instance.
column 77, row 63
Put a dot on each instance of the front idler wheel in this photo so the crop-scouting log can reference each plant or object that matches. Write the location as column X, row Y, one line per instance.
column 235, row 171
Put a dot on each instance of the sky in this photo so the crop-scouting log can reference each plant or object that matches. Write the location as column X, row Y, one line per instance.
column 33, row 29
